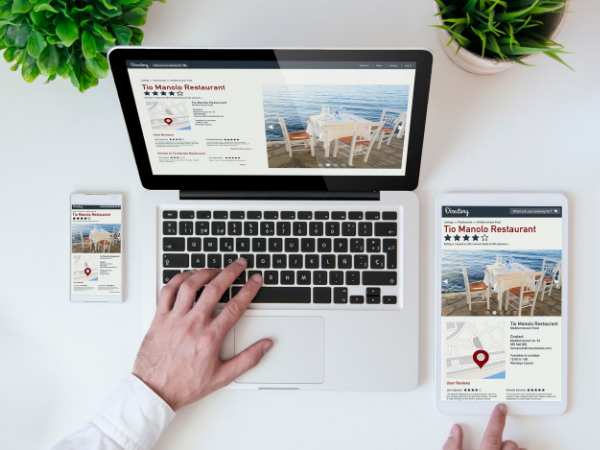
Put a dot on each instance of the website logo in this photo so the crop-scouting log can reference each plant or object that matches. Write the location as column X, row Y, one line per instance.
column 147, row 66
column 457, row 211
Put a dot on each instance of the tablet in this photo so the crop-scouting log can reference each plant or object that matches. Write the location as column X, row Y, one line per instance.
column 501, row 284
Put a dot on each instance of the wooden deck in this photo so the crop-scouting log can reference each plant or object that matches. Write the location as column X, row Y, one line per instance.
column 388, row 157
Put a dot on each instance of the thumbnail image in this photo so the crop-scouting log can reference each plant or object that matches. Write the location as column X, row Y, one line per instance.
column 102, row 238
column 168, row 115
column 85, row 268
column 491, row 283
column 335, row 126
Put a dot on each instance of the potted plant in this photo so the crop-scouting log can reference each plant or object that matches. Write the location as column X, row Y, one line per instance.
column 490, row 36
column 68, row 38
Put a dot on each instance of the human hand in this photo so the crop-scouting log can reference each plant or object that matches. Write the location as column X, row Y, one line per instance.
column 179, row 357
column 492, row 438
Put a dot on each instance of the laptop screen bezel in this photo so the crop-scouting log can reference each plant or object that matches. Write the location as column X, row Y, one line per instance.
column 119, row 55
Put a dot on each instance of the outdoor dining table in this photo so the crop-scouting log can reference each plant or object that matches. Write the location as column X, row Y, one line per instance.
column 98, row 235
column 328, row 128
column 501, row 278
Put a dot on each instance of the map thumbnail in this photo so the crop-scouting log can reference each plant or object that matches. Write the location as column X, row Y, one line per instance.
column 168, row 115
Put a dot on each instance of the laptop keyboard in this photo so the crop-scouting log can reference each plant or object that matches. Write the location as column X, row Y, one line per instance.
column 304, row 257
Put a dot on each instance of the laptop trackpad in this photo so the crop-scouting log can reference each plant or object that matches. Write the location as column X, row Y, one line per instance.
column 297, row 353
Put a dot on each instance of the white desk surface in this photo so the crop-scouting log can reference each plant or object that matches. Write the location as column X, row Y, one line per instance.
column 528, row 129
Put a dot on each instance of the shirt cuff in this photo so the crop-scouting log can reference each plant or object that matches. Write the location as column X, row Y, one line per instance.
column 133, row 415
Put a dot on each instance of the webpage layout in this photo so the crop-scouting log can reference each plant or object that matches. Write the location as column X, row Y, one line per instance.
column 501, row 290
column 274, row 118
column 96, row 249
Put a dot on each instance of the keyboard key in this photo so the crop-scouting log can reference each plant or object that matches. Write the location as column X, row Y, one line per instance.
column 373, row 300
column 263, row 261
column 218, row 228
column 202, row 228
column 186, row 214
column 226, row 244
column 178, row 260
column 271, row 215
column 357, row 299
column 377, row 262
column 379, row 278
column 287, row 277
column 332, row 229
column 355, row 215
column 303, row 277
column 311, row 261
column 288, row 215
column 386, row 229
column 336, row 277
column 169, row 228
column 279, row 261
column 280, row 294
column 284, row 229
column 365, row 229
column 210, row 244
column 300, row 228
column 229, row 258
column 338, row 215
column 254, row 215
column 340, row 295
column 194, row 244
column 251, row 273
column 241, row 279
column 319, row 277
column 344, row 262
column 267, row 229
column 307, row 245
column 328, row 261
column 198, row 260
column 224, row 298
column 340, row 245
column 322, row 215
column 249, row 260
column 322, row 295
column 186, row 228
column 390, row 215
column 361, row 262
column 357, row 245
column 389, row 300
column 237, row 214
column 203, row 214
column 352, row 278
column 349, row 229
column 373, row 215
column 295, row 261
column 168, row 275
column 390, row 247
column 234, row 228
column 259, row 245
column 169, row 214
column 305, row 215
column 220, row 214
column 292, row 245
column 173, row 244
column 315, row 228
column 374, row 291
column 271, row 277
column 373, row 245
column 275, row 245
column 214, row 261
column 324, row 245
column 242, row 245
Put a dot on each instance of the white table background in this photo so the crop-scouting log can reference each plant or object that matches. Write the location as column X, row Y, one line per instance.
column 528, row 129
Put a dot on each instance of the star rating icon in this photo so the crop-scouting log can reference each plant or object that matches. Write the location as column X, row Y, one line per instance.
column 155, row 93
column 171, row 93
column 466, row 237
column 163, row 93
column 484, row 238
column 179, row 93
column 457, row 238
column 447, row 237
column 475, row 237
column 146, row 93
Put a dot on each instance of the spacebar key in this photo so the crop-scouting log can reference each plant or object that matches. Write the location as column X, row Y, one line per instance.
column 280, row 294
column 379, row 278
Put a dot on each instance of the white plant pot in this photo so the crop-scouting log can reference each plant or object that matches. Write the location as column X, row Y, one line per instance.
column 474, row 63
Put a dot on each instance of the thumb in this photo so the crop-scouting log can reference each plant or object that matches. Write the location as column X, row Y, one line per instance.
column 454, row 441
column 246, row 360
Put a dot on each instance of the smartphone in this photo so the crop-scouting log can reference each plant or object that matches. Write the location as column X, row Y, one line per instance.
column 96, row 248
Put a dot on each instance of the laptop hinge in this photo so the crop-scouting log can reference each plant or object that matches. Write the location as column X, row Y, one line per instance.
column 281, row 195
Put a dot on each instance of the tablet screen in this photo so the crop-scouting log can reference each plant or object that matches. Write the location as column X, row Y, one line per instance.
column 501, row 283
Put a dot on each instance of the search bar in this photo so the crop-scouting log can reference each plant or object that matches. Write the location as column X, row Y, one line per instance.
column 535, row 211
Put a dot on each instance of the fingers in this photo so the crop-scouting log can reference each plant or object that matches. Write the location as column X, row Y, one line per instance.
column 238, row 304
column 186, row 295
column 492, row 438
column 245, row 361
column 454, row 441
column 510, row 445
column 214, row 290
column 166, row 297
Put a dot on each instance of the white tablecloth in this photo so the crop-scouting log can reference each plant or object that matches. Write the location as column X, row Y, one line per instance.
column 328, row 129
column 501, row 278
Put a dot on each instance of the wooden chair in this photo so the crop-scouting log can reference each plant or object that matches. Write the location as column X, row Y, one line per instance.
column 391, row 119
column 85, row 241
column 360, row 143
column 296, row 138
column 550, row 270
column 104, row 239
column 526, row 295
column 477, row 287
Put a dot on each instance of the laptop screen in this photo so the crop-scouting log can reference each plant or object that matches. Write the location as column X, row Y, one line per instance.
column 274, row 117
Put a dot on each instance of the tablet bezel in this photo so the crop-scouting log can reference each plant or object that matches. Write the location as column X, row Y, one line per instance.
column 504, row 199
column 118, row 55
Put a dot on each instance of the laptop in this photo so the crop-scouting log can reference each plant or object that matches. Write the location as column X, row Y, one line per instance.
column 302, row 162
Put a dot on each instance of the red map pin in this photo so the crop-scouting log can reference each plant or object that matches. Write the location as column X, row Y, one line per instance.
column 169, row 121
column 88, row 271
column 481, row 357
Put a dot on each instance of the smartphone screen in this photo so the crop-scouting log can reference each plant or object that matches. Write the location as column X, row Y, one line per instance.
column 502, row 303
column 96, row 247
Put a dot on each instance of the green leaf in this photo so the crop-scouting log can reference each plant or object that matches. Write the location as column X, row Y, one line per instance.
column 86, row 79
column 126, row 2
column 49, row 60
column 67, row 31
column 144, row 3
column 17, row 35
column 45, row 7
column 36, row 44
column 9, row 54
column 123, row 34
column 165, row 1
column 108, row 12
column 102, row 32
column 88, row 44
column 63, row 67
column 39, row 18
column 558, row 58
column 98, row 66
column 30, row 70
column 137, row 37
column 74, row 74
column 136, row 17
column 510, row 16
column 50, row 78
column 21, row 7
column 82, row 10
column 109, row 4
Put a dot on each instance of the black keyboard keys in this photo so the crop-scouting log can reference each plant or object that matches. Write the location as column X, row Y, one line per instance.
column 178, row 260
column 365, row 229
column 287, row 277
column 198, row 260
column 173, row 244
column 292, row 245
column 390, row 247
column 210, row 244
column 352, row 278
column 377, row 262
column 340, row 295
column 259, row 245
column 202, row 228
column 169, row 214
column 194, row 244
column 295, row 261
column 267, row 228
column 300, row 228
column 214, row 261
column 169, row 228
column 279, row 261
column 186, row 228
column 378, row 278
column 251, row 228
column 322, row 295
column 349, row 229
column 357, row 245
column 226, row 244
column 218, row 228
column 284, row 228
column 169, row 274
column 234, row 228
column 386, row 229
column 336, row 277
column 307, row 245
column 242, row 245
column 304, row 277
column 263, row 261
column 275, row 245
column 279, row 294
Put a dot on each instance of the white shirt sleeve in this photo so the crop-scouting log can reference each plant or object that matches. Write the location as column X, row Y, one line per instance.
column 132, row 418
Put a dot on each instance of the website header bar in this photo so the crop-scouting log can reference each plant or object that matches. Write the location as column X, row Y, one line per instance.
column 501, row 211
column 237, row 64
